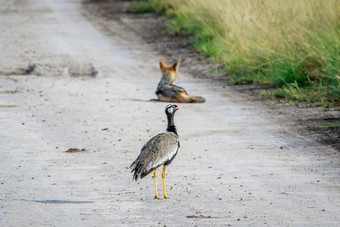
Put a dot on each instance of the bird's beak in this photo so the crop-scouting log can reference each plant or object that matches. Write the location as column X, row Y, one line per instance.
column 178, row 107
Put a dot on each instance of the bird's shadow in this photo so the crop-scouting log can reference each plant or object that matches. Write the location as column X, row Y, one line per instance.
column 51, row 201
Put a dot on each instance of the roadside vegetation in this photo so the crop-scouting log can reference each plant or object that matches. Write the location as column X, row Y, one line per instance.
column 293, row 46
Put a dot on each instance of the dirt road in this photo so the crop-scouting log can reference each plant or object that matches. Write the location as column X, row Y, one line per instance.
column 72, row 81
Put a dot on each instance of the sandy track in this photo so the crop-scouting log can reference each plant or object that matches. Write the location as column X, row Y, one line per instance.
column 236, row 165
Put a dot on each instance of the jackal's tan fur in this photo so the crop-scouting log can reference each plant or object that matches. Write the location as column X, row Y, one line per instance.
column 168, row 91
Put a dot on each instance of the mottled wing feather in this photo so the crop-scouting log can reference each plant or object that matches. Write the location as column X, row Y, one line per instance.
column 157, row 151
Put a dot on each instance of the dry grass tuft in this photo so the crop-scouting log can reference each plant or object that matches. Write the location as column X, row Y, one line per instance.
column 275, row 42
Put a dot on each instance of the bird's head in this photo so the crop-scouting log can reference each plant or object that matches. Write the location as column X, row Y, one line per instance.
column 171, row 109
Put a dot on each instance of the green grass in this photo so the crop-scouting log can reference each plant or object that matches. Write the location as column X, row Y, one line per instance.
column 142, row 6
column 291, row 45
column 329, row 125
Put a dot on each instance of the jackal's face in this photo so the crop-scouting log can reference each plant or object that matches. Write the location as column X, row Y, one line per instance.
column 169, row 74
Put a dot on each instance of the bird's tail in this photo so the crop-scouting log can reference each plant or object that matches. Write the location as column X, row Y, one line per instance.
column 133, row 168
column 133, row 165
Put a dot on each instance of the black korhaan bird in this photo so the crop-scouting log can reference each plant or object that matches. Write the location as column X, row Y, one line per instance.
column 159, row 150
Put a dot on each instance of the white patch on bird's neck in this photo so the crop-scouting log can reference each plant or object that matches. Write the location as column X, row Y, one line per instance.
column 170, row 110
column 169, row 132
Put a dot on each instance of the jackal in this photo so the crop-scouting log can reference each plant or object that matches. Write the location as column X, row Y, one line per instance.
column 168, row 91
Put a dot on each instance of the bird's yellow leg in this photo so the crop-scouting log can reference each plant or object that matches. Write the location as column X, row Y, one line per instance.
column 155, row 177
column 163, row 178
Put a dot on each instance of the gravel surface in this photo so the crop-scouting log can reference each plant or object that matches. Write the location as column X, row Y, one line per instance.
column 75, row 111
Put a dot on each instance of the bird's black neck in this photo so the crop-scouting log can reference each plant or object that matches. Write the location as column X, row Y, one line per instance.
column 171, row 124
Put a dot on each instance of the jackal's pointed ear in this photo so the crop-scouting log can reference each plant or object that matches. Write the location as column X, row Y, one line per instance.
column 164, row 67
column 175, row 66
